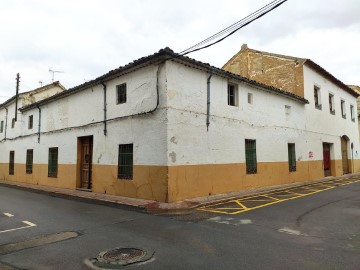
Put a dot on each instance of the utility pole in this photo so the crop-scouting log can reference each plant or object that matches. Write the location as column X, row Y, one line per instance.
column 17, row 94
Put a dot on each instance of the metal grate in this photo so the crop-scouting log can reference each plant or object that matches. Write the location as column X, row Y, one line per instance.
column 292, row 157
column 30, row 124
column 121, row 93
column 231, row 95
column 125, row 164
column 29, row 161
column 250, row 155
column 11, row 163
column 53, row 162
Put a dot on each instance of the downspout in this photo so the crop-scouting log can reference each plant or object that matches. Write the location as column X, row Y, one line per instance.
column 105, row 109
column 208, row 102
column 39, row 124
column 6, row 120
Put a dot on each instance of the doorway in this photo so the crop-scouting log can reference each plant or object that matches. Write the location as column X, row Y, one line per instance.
column 344, row 154
column 326, row 159
column 85, row 149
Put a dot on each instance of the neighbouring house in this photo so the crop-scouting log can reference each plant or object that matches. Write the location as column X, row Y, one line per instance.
column 167, row 127
column 357, row 89
column 332, row 112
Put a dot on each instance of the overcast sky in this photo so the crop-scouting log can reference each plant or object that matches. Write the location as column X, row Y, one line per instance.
column 86, row 39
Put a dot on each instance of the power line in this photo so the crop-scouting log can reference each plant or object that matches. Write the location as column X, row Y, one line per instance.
column 228, row 31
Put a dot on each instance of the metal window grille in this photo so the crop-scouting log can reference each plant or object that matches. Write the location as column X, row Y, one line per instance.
column 30, row 125
column 29, row 161
column 53, row 162
column 121, row 93
column 125, row 162
column 231, row 95
column 2, row 127
column 12, row 163
column 250, row 155
column 292, row 157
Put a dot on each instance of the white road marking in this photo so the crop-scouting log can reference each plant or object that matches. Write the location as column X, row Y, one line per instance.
column 8, row 214
column 28, row 223
column 290, row 231
column 230, row 221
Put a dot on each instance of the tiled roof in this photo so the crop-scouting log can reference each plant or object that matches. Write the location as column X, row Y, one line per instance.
column 165, row 54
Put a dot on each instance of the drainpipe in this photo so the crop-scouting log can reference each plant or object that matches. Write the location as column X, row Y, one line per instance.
column 105, row 128
column 6, row 120
column 208, row 102
column 39, row 124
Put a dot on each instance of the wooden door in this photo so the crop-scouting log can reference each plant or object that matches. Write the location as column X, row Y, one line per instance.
column 344, row 154
column 326, row 156
column 86, row 162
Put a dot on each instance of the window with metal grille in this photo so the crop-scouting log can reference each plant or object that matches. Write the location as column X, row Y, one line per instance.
column 30, row 123
column 53, row 162
column 29, row 161
column 343, row 111
column 250, row 155
column 232, row 95
column 352, row 113
column 1, row 126
column 331, row 104
column 13, row 123
column 125, row 162
column 121, row 93
column 12, row 163
column 317, row 98
column 292, row 157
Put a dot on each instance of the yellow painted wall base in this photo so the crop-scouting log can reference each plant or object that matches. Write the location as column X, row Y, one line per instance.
column 175, row 183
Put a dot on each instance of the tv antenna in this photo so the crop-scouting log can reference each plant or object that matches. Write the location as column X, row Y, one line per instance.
column 53, row 72
column 41, row 83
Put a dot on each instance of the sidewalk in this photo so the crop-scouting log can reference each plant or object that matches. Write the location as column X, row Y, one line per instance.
column 154, row 206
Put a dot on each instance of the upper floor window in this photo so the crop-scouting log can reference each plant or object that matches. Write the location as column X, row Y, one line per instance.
column 352, row 112
column 13, row 123
column 317, row 98
column 233, row 95
column 331, row 104
column 30, row 122
column 1, row 126
column 343, row 111
column 250, row 98
column 121, row 93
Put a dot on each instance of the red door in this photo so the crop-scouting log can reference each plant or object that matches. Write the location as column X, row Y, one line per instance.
column 326, row 156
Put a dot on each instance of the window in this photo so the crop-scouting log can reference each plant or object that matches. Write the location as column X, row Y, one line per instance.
column 292, row 157
column 331, row 104
column 53, row 162
column 13, row 123
column 12, row 163
column 352, row 113
column 29, row 161
column 30, row 123
column 121, row 93
column 250, row 155
column 250, row 98
column 317, row 98
column 343, row 111
column 125, row 162
column 1, row 126
column 287, row 111
column 232, row 95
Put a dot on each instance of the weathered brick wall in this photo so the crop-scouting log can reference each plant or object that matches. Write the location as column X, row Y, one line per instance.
column 283, row 73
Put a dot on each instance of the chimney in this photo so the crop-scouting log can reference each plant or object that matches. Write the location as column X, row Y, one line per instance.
column 244, row 47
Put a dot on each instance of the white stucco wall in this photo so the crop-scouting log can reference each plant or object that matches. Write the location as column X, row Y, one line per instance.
column 265, row 120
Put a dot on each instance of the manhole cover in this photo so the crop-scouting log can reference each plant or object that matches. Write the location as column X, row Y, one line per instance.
column 119, row 257
column 122, row 254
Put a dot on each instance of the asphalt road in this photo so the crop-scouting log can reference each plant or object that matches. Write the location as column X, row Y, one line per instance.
column 319, row 231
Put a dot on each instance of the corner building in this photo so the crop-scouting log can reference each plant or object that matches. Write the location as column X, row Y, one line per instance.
column 167, row 128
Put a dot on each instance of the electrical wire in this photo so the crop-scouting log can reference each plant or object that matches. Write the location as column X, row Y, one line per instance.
column 234, row 27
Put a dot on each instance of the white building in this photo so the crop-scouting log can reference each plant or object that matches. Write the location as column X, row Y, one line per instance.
column 167, row 127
